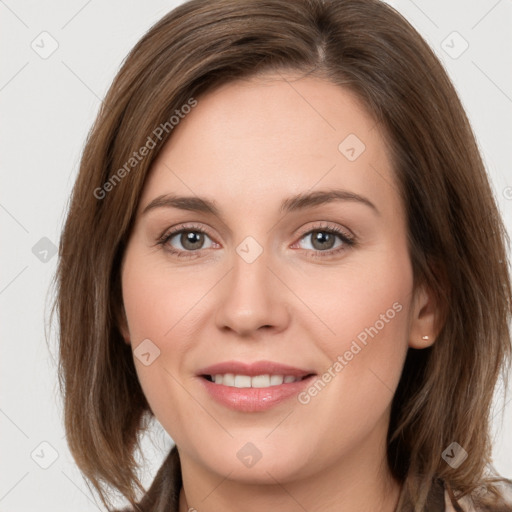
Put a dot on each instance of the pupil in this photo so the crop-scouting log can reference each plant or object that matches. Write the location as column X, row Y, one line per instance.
column 322, row 236
column 192, row 238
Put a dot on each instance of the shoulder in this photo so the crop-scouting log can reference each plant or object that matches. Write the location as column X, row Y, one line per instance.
column 163, row 494
column 466, row 504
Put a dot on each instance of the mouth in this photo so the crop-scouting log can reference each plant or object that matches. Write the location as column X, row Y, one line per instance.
column 253, row 387
column 257, row 381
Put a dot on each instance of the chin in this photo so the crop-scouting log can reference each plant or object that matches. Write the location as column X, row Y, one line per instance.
column 258, row 462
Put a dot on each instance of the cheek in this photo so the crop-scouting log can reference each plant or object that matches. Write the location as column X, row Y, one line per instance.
column 165, row 307
column 158, row 303
column 365, row 307
column 366, row 301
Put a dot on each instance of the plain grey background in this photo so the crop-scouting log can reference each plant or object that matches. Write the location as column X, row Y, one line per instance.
column 59, row 59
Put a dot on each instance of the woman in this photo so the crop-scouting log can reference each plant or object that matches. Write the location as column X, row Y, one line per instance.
column 282, row 244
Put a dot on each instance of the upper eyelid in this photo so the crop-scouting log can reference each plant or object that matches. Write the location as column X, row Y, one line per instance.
column 326, row 226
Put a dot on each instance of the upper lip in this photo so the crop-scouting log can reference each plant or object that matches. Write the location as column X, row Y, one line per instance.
column 253, row 369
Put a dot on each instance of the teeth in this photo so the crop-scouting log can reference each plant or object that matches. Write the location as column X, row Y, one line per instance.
column 258, row 381
column 228, row 379
column 276, row 380
column 242, row 381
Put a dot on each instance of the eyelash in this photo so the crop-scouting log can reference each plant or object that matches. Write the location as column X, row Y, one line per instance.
column 348, row 240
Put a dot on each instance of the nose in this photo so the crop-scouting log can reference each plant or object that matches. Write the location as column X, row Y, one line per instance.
column 253, row 298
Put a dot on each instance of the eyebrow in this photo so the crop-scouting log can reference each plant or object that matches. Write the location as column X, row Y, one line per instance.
column 295, row 203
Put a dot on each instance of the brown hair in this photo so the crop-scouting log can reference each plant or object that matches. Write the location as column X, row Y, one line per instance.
column 457, row 240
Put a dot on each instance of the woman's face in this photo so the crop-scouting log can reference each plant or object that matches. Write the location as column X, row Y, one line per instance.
column 328, row 315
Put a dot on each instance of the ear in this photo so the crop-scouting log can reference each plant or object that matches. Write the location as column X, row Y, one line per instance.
column 424, row 312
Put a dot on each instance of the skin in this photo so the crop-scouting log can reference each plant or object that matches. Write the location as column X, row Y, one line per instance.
column 248, row 146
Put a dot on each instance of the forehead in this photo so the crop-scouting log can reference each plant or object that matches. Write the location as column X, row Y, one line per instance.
column 270, row 137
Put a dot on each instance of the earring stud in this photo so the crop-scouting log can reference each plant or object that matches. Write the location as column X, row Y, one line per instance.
column 424, row 338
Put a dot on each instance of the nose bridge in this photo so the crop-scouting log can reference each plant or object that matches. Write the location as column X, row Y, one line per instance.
column 252, row 298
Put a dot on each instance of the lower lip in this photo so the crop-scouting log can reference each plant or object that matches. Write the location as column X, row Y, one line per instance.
column 254, row 399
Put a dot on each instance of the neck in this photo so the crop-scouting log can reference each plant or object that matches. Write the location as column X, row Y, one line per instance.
column 359, row 481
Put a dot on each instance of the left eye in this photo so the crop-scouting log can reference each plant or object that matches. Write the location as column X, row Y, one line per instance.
column 324, row 239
